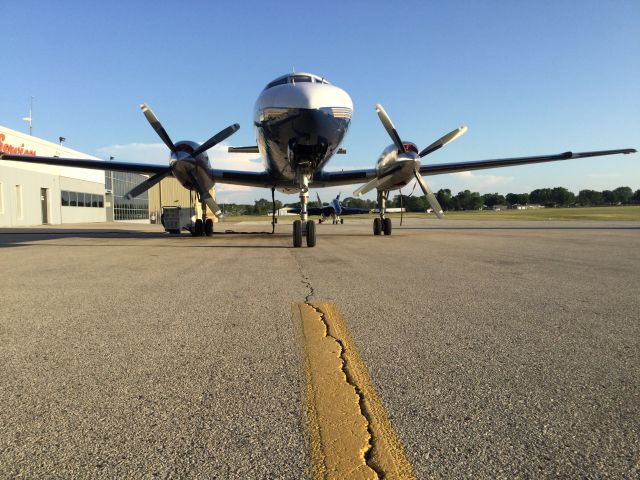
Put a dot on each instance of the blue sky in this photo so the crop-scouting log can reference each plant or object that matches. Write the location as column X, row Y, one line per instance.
column 525, row 77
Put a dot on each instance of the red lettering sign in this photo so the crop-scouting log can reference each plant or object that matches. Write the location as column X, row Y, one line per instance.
column 8, row 148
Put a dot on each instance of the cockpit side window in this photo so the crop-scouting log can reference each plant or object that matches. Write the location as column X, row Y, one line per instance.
column 280, row 81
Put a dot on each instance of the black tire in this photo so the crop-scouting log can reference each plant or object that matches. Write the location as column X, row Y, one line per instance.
column 208, row 227
column 297, row 233
column 341, row 221
column 198, row 229
column 311, row 234
column 377, row 226
column 386, row 226
column 174, row 232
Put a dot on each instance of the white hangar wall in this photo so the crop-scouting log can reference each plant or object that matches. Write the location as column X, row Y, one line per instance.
column 31, row 194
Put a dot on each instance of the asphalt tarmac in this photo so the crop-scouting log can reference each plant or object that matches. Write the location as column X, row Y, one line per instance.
column 499, row 349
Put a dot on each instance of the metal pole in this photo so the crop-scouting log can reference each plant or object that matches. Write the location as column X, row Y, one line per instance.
column 31, row 116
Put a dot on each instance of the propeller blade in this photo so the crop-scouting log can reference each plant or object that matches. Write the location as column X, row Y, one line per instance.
column 441, row 142
column 217, row 138
column 319, row 201
column 391, row 130
column 431, row 198
column 205, row 196
column 367, row 187
column 157, row 126
column 147, row 184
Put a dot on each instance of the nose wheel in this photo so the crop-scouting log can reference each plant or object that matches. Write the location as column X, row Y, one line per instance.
column 304, row 227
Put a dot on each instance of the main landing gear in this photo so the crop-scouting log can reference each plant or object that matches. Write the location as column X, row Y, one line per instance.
column 204, row 225
column 304, row 227
column 382, row 224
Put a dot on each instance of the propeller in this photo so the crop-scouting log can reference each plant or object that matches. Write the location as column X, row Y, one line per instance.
column 217, row 138
column 147, row 184
column 441, row 142
column 157, row 126
column 204, row 194
column 391, row 130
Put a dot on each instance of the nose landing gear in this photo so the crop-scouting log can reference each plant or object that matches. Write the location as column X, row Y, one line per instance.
column 304, row 227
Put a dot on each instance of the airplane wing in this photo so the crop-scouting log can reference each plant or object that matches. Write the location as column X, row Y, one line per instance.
column 353, row 211
column 434, row 169
column 238, row 177
column 348, row 177
column 252, row 179
column 326, row 211
column 91, row 164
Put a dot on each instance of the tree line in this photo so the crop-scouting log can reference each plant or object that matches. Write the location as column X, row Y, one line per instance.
column 467, row 200
column 547, row 197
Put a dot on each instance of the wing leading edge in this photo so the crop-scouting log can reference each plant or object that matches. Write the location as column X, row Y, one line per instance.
column 90, row 164
column 444, row 168
column 331, row 179
column 251, row 179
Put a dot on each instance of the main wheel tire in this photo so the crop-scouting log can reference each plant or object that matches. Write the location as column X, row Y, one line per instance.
column 341, row 221
column 386, row 226
column 199, row 228
column 208, row 227
column 297, row 233
column 377, row 226
column 311, row 234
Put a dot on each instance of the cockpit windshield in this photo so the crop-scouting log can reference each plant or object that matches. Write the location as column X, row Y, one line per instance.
column 296, row 78
column 300, row 78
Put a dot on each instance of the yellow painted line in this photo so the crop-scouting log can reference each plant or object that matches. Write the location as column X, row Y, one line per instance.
column 351, row 436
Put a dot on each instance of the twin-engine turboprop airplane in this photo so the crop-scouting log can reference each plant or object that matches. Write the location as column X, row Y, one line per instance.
column 334, row 210
column 300, row 120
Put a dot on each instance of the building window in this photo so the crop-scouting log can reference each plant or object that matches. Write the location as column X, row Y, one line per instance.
column 19, row 201
column 80, row 199
column 124, row 209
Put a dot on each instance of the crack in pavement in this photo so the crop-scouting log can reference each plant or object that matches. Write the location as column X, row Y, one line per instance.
column 367, row 454
column 349, row 431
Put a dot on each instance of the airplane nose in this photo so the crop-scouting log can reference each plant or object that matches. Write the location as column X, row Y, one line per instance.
column 312, row 96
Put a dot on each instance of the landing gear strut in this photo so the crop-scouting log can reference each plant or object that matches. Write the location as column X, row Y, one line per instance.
column 204, row 225
column 382, row 224
column 303, row 226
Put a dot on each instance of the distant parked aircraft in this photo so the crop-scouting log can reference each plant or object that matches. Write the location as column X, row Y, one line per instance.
column 334, row 210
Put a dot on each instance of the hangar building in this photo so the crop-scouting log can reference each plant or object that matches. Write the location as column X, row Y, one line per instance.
column 37, row 194
column 33, row 194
